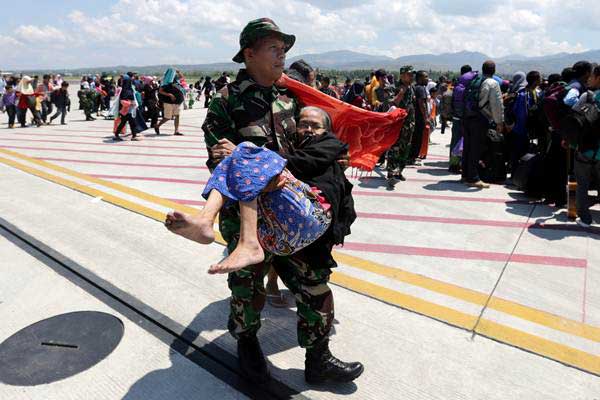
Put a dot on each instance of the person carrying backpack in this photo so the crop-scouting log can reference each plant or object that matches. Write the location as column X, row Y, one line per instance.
column 457, row 109
column 522, row 110
column 587, row 154
column 483, row 109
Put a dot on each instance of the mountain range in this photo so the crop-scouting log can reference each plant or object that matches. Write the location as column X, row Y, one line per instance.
column 351, row 60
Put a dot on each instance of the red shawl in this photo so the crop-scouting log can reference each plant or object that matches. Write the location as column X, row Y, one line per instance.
column 368, row 133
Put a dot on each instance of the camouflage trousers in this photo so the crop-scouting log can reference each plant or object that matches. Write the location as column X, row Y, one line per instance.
column 398, row 154
column 308, row 283
column 86, row 106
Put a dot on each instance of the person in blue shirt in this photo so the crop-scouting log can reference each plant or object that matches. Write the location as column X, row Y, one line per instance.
column 582, row 70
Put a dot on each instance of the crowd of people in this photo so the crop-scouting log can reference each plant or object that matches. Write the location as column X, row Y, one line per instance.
column 530, row 131
column 129, row 98
column 500, row 127
column 23, row 93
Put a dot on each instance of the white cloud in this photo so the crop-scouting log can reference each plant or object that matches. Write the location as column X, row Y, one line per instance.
column 9, row 42
column 145, row 31
column 39, row 34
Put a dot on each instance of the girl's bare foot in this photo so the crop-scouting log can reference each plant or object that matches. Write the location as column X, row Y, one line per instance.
column 243, row 256
column 193, row 227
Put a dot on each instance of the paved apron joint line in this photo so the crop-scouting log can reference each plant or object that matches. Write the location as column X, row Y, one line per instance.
column 206, row 355
column 535, row 344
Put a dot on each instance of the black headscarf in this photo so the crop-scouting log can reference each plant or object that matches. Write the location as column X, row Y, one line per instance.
column 126, row 88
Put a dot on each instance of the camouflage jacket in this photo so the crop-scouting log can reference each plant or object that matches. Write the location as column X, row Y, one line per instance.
column 408, row 101
column 245, row 111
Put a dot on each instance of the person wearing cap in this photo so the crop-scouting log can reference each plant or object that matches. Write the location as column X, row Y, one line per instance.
column 398, row 155
column 254, row 109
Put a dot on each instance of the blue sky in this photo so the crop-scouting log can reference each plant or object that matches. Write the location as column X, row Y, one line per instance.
column 69, row 33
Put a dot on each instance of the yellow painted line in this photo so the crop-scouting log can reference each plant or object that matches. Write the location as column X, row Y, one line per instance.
column 442, row 313
column 121, row 188
column 547, row 348
column 506, row 306
column 546, row 319
column 535, row 344
column 487, row 328
column 109, row 198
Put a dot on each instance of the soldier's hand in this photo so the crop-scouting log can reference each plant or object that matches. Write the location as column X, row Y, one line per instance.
column 344, row 161
column 276, row 183
column 222, row 149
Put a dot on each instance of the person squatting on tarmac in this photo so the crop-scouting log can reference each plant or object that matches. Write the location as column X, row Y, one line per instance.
column 254, row 109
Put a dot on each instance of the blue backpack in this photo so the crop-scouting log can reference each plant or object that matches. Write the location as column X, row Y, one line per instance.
column 458, row 93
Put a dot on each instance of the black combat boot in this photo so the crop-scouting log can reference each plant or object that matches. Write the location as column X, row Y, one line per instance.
column 252, row 360
column 321, row 366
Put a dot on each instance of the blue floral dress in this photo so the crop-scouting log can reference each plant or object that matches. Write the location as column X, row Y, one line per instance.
column 290, row 218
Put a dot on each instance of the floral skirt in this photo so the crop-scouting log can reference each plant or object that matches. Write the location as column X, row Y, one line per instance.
column 290, row 218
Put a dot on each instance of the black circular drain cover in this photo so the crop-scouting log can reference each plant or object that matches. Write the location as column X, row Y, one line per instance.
column 58, row 347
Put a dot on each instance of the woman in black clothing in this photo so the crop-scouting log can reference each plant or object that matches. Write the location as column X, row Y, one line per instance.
column 149, row 94
column 207, row 88
column 126, row 99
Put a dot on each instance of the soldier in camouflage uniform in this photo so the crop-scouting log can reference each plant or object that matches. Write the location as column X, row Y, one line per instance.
column 398, row 154
column 87, row 99
column 253, row 109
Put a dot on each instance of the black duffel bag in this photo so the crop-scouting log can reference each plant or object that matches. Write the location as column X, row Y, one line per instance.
column 492, row 166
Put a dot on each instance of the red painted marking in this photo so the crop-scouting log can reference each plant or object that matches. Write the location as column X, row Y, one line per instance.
column 120, row 144
column 122, row 163
column 103, row 152
column 356, row 192
column 437, row 197
column 583, row 306
column 188, row 166
column 451, row 253
column 108, row 130
column 189, row 202
column 442, row 220
column 466, row 254
column 148, row 178
column 153, row 139
column 408, row 179
column 454, row 221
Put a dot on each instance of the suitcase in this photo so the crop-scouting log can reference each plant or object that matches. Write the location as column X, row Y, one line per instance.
column 529, row 174
column 492, row 167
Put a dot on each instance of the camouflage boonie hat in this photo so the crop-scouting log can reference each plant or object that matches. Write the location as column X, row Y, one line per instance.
column 260, row 28
column 407, row 69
